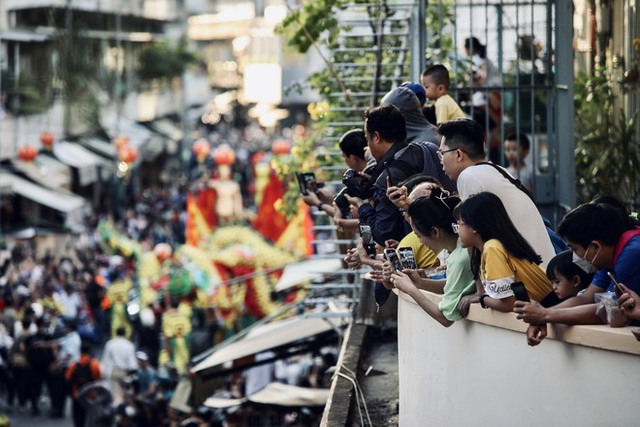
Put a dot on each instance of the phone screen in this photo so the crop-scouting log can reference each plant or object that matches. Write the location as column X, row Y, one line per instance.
column 367, row 239
column 407, row 258
column 393, row 257
column 307, row 182
column 520, row 292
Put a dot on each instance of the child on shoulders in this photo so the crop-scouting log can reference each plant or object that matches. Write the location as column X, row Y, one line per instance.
column 435, row 80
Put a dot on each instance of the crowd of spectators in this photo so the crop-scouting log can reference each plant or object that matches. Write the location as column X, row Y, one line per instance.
column 479, row 224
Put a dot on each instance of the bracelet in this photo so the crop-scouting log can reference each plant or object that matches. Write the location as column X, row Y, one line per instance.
column 319, row 206
column 482, row 304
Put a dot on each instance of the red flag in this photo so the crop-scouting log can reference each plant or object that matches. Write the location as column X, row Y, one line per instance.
column 269, row 222
column 196, row 226
column 298, row 236
column 206, row 200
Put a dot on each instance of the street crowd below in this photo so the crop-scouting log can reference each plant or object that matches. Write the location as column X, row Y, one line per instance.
column 61, row 340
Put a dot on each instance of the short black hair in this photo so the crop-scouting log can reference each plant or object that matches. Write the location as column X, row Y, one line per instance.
column 486, row 214
column 85, row 347
column 433, row 211
column 414, row 180
column 388, row 121
column 594, row 221
column 466, row 134
column 353, row 142
column 121, row 331
column 439, row 74
column 521, row 139
column 564, row 265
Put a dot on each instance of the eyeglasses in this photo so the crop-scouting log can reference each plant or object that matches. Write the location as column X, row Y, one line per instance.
column 442, row 153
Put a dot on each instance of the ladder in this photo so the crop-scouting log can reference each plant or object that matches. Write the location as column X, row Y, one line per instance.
column 374, row 53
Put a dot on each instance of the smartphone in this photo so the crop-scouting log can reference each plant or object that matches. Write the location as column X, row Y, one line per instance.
column 520, row 292
column 407, row 258
column 367, row 239
column 616, row 286
column 307, row 182
column 392, row 255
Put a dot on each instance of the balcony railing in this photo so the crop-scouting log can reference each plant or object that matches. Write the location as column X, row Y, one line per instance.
column 480, row 372
column 162, row 10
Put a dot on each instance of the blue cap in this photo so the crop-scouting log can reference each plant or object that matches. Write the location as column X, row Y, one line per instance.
column 417, row 89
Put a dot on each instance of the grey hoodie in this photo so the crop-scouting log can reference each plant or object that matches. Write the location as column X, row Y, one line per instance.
column 418, row 128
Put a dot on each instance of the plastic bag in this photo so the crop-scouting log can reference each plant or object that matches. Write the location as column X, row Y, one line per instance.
column 608, row 310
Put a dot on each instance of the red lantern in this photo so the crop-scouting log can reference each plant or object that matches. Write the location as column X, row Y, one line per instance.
column 201, row 149
column 281, row 146
column 121, row 141
column 27, row 153
column 47, row 139
column 127, row 154
column 224, row 155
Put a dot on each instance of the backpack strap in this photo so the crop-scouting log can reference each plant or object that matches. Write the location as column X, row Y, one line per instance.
column 622, row 242
column 509, row 178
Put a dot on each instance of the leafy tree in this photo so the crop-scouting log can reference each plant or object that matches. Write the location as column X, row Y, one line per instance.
column 607, row 153
column 161, row 61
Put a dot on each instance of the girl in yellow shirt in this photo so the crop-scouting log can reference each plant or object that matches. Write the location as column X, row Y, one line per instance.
column 500, row 256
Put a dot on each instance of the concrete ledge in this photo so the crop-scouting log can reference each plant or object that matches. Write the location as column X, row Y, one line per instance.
column 341, row 403
column 481, row 372
column 597, row 336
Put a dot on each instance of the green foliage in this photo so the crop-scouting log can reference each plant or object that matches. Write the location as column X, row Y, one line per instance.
column 78, row 71
column 27, row 96
column 160, row 61
column 314, row 22
column 607, row 153
column 304, row 157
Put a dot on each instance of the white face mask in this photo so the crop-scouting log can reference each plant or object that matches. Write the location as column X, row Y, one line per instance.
column 582, row 262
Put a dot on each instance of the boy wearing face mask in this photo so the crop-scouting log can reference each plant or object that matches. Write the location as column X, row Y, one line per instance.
column 603, row 239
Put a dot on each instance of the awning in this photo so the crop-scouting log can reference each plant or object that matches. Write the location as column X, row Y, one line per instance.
column 167, row 128
column 149, row 145
column 300, row 272
column 80, row 158
column 267, row 337
column 276, row 394
column 222, row 403
column 288, row 395
column 62, row 202
column 46, row 171
column 23, row 36
column 100, row 146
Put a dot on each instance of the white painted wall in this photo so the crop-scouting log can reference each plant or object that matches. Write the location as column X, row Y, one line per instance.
column 478, row 374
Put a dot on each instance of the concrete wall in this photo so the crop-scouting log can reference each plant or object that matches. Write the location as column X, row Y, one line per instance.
column 480, row 372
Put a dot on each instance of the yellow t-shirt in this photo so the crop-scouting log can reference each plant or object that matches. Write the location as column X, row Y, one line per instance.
column 448, row 109
column 499, row 269
column 425, row 258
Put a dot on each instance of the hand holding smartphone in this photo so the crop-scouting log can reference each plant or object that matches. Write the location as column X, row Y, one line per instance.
column 520, row 292
column 307, row 182
column 616, row 286
column 367, row 239
column 392, row 256
column 407, row 258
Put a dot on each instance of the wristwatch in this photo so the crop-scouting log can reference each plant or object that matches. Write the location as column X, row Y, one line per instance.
column 482, row 304
column 319, row 206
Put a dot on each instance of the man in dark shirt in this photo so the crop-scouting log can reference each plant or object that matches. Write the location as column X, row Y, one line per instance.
column 41, row 357
column 386, row 133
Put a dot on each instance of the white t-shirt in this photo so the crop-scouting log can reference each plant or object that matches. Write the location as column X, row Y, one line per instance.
column 521, row 209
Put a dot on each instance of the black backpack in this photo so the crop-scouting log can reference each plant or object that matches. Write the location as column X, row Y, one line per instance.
column 82, row 375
